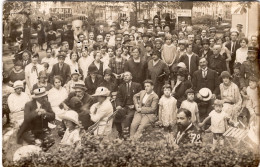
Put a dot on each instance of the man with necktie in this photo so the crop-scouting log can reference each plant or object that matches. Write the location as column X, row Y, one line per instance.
column 62, row 69
column 125, row 104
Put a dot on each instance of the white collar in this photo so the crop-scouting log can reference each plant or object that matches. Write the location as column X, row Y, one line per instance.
column 138, row 60
column 206, row 69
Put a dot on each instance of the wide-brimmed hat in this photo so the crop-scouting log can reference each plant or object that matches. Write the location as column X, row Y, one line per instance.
column 18, row 84
column 79, row 86
column 102, row 91
column 140, row 30
column 39, row 92
column 205, row 93
column 75, row 72
column 61, row 56
column 126, row 33
column 70, row 115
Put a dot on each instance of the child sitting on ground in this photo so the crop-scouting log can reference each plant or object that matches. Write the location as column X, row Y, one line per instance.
column 192, row 106
column 167, row 108
column 71, row 121
column 218, row 122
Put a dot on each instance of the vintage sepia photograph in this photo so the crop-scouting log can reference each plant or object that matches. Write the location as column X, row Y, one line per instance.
column 130, row 83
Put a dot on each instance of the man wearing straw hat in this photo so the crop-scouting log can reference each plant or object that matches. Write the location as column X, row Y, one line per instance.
column 101, row 111
column 16, row 102
column 37, row 115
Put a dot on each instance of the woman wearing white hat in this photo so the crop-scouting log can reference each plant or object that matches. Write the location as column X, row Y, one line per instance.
column 101, row 111
column 16, row 102
column 71, row 121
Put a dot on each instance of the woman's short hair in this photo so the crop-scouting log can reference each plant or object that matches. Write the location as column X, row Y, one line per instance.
column 167, row 86
column 73, row 53
column 244, row 39
column 58, row 77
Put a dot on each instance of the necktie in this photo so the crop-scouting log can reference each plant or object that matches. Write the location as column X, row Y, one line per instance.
column 128, row 89
column 233, row 47
column 204, row 73
column 60, row 67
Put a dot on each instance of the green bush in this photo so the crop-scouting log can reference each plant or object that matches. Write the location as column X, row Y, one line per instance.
column 151, row 150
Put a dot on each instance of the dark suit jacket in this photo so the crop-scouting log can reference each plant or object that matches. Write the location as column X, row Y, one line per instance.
column 211, row 81
column 195, row 49
column 179, row 94
column 91, row 87
column 32, row 121
column 193, row 64
column 233, row 54
column 210, row 52
column 64, row 72
column 121, row 97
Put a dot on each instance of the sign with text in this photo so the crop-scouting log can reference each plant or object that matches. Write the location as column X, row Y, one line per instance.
column 183, row 12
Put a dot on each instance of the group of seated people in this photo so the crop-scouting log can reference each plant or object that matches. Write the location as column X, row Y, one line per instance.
column 133, row 83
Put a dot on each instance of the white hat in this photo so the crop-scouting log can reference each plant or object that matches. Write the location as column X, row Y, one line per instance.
column 70, row 115
column 102, row 91
column 140, row 30
column 181, row 64
column 205, row 93
column 25, row 151
column 75, row 71
column 39, row 92
column 18, row 84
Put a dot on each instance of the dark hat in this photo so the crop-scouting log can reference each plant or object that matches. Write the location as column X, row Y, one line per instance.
column 189, row 91
column 252, row 49
column 18, row 63
column 237, row 65
column 253, row 78
column 225, row 74
column 205, row 41
column 61, row 56
column 183, row 72
column 75, row 103
column 80, row 86
column 108, row 71
column 92, row 69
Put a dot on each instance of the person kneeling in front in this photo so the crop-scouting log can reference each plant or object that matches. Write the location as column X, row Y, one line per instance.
column 146, row 109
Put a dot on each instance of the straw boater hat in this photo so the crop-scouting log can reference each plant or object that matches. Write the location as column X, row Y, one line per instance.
column 205, row 93
column 18, row 84
column 79, row 86
column 39, row 92
column 102, row 91
column 181, row 64
column 75, row 72
column 71, row 116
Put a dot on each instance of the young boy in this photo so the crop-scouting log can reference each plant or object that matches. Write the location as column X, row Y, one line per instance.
column 218, row 122
column 167, row 108
column 192, row 106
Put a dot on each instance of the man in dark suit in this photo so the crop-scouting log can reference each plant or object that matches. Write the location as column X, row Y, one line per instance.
column 61, row 69
column 37, row 114
column 195, row 48
column 205, row 78
column 26, row 58
column 191, row 60
column 232, row 47
column 124, row 102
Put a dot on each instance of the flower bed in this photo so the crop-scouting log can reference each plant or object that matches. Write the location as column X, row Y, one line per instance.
column 151, row 150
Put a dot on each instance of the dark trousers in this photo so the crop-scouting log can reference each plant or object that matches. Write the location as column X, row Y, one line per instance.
column 123, row 119
column 44, row 135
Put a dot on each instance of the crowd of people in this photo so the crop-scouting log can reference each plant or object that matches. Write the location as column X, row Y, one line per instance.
column 130, row 77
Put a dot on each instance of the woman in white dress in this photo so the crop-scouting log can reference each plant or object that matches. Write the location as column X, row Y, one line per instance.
column 56, row 96
column 230, row 94
column 241, row 53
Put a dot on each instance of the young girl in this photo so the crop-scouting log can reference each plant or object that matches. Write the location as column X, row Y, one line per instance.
column 218, row 122
column 192, row 106
column 169, row 51
column 241, row 53
column 71, row 121
column 167, row 108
